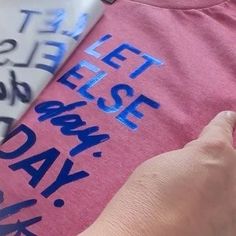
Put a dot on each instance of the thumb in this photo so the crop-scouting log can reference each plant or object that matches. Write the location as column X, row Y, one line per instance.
column 220, row 128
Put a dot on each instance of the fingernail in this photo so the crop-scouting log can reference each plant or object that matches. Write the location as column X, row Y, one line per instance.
column 231, row 114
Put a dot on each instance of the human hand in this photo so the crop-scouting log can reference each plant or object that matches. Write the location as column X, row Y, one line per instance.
column 188, row 192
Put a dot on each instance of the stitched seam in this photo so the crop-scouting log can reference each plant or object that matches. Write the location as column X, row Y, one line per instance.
column 179, row 9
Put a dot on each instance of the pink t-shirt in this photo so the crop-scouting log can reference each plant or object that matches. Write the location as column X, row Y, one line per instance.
column 145, row 81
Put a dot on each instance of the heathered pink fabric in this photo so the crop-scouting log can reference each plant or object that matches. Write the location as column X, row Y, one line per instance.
column 196, row 42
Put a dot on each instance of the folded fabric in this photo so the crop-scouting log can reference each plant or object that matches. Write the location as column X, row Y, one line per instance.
column 36, row 37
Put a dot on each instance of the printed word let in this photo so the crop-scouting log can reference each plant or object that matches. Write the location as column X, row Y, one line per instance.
column 53, row 24
column 118, row 92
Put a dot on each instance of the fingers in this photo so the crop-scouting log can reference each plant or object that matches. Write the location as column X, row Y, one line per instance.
column 220, row 128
